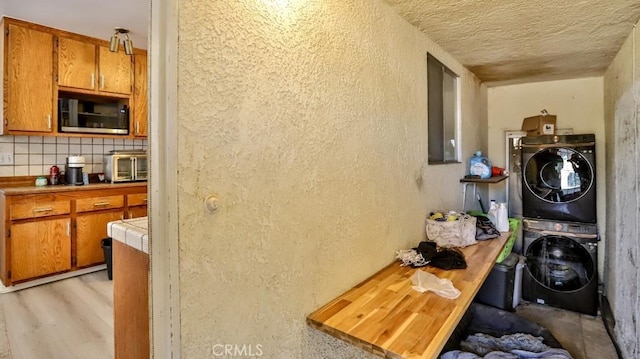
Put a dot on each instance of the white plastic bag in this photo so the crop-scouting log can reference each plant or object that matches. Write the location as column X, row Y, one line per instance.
column 425, row 281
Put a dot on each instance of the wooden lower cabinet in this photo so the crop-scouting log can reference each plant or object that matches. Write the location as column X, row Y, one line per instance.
column 138, row 211
column 40, row 248
column 59, row 230
column 137, row 204
column 91, row 229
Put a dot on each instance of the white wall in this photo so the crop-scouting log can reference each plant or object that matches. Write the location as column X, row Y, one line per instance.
column 622, row 113
column 309, row 121
column 578, row 104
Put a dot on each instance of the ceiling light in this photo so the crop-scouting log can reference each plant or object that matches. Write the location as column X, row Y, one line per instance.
column 114, row 44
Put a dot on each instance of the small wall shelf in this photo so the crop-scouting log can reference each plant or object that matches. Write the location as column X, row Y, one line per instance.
column 474, row 182
column 495, row 179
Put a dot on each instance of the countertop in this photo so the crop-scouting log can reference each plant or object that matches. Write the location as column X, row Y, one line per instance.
column 9, row 191
column 132, row 232
column 385, row 316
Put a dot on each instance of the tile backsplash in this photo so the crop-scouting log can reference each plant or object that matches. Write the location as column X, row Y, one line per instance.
column 34, row 155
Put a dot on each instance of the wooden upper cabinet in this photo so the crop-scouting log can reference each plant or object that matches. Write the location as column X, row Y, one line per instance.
column 28, row 83
column 76, row 64
column 139, row 112
column 115, row 69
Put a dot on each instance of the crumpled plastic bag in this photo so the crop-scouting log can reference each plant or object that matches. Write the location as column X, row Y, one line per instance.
column 425, row 281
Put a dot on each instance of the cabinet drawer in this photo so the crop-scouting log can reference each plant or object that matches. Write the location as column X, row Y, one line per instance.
column 99, row 203
column 137, row 199
column 39, row 206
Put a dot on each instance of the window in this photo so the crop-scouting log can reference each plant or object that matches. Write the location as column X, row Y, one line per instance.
column 443, row 112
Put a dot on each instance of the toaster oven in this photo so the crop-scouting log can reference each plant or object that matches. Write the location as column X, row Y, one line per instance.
column 125, row 166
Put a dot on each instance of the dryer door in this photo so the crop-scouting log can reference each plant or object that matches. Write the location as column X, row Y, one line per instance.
column 560, row 263
column 558, row 175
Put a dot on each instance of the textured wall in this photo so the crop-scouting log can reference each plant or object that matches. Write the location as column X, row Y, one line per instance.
column 622, row 113
column 308, row 119
column 577, row 104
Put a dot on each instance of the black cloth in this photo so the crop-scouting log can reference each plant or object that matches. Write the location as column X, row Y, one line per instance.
column 485, row 229
column 481, row 318
column 445, row 258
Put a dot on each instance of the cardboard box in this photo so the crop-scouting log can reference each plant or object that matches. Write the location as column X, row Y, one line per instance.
column 539, row 125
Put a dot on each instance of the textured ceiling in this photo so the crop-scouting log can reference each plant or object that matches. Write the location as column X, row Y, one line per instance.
column 519, row 41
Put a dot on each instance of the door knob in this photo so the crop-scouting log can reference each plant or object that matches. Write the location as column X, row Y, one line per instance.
column 211, row 203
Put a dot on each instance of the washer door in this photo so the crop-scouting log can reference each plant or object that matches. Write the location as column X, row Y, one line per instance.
column 560, row 263
column 558, row 175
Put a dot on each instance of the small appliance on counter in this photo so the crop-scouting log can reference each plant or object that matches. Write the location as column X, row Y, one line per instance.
column 125, row 166
column 73, row 170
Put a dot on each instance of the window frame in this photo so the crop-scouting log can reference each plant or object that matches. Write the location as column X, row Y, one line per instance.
column 436, row 122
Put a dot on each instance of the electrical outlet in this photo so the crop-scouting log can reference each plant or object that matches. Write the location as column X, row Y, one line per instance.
column 6, row 158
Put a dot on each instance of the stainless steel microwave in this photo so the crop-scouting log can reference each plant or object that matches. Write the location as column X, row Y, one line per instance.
column 125, row 166
column 85, row 116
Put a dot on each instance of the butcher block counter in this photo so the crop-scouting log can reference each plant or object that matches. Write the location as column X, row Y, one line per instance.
column 385, row 316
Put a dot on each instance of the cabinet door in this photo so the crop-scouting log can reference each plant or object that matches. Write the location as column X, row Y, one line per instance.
column 139, row 113
column 29, row 80
column 40, row 248
column 91, row 229
column 76, row 64
column 137, row 211
column 115, row 71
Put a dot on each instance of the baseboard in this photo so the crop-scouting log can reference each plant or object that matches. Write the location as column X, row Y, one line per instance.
column 53, row 278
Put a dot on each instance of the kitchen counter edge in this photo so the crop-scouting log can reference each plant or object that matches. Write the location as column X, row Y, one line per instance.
column 8, row 191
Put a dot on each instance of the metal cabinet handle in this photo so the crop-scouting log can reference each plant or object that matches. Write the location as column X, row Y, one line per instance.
column 43, row 210
column 101, row 81
column 137, row 127
column 49, row 121
column 93, row 80
column 101, row 204
column 145, row 200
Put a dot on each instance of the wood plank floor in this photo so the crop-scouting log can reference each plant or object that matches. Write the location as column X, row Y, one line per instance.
column 71, row 318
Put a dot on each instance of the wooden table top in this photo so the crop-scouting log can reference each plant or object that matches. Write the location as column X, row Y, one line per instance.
column 385, row 316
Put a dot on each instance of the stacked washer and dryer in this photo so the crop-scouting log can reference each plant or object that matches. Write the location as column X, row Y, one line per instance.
column 560, row 234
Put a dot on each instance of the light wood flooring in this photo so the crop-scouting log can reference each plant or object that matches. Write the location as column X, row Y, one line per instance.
column 71, row 318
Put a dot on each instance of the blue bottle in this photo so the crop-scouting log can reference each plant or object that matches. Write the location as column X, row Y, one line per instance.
column 480, row 165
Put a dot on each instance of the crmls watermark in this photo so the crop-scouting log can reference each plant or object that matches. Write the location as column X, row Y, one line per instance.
column 237, row 350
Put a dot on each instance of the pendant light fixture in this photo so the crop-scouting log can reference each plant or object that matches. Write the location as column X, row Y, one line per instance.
column 114, row 45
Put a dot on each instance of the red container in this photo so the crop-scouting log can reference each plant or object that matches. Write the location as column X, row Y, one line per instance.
column 54, row 173
column 498, row 171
